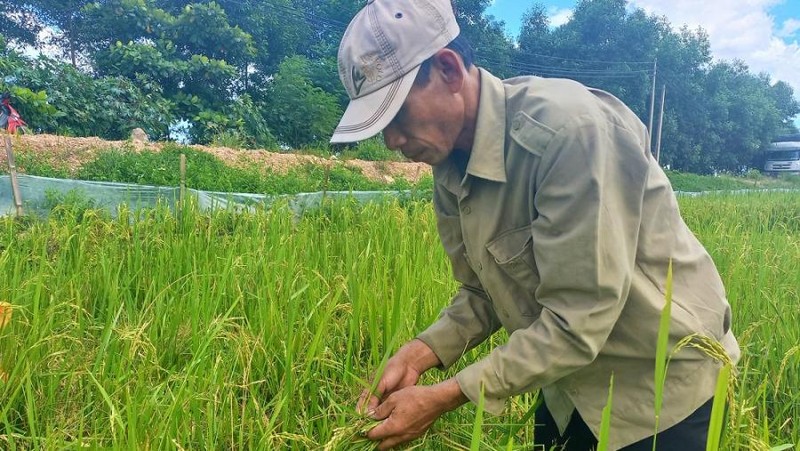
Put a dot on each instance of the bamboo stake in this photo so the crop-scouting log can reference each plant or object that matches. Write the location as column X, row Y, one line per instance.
column 183, row 177
column 182, row 197
column 12, row 169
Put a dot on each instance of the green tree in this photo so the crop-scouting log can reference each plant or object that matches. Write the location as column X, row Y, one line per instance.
column 485, row 34
column 195, row 53
column 253, row 67
column 787, row 105
column 54, row 97
column 689, row 142
column 66, row 18
column 605, row 45
column 196, row 57
column 746, row 115
column 534, row 35
column 300, row 113
column 18, row 24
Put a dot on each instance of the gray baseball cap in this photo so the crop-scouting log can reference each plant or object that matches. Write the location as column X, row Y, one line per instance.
column 379, row 58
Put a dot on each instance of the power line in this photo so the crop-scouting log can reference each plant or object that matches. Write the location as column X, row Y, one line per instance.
column 560, row 71
column 538, row 67
column 539, row 55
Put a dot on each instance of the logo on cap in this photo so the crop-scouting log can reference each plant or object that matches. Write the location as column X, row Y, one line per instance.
column 358, row 79
column 370, row 69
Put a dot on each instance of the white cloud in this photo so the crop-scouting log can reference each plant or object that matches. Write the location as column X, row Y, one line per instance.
column 790, row 27
column 559, row 16
column 741, row 29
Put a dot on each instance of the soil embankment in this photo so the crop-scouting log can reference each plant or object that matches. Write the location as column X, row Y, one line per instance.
column 70, row 153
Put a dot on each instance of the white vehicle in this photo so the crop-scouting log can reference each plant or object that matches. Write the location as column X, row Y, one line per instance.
column 783, row 155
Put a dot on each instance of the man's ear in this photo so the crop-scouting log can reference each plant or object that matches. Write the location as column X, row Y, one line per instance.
column 449, row 65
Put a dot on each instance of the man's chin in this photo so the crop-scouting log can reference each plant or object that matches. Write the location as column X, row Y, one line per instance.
column 429, row 158
column 421, row 159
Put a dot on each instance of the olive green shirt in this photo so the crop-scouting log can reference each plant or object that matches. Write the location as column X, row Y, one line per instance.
column 560, row 227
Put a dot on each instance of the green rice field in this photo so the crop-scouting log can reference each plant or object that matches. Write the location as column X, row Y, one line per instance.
column 258, row 330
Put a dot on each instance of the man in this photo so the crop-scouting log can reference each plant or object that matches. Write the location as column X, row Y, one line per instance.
column 560, row 227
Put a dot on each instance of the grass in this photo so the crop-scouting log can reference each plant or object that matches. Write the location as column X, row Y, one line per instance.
column 755, row 242
column 754, row 180
column 255, row 330
column 206, row 172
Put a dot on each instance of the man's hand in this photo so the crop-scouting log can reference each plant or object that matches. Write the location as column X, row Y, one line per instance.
column 409, row 412
column 401, row 371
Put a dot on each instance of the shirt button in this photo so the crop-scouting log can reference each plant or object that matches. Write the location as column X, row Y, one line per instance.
column 467, row 210
column 480, row 266
column 516, row 124
column 504, row 312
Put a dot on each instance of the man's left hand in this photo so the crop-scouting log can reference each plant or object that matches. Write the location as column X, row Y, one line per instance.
column 409, row 412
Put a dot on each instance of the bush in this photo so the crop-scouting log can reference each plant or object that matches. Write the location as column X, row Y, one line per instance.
column 301, row 113
column 54, row 97
column 206, row 172
column 372, row 149
column 683, row 181
column 73, row 204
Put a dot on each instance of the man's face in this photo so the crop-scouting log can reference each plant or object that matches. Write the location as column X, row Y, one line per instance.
column 427, row 126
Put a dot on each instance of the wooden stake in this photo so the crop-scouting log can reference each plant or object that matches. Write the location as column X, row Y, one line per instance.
column 182, row 197
column 12, row 169
column 183, row 177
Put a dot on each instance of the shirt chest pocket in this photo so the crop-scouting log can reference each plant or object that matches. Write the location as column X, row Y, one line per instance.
column 516, row 277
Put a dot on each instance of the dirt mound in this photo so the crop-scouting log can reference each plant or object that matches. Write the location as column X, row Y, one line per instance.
column 72, row 153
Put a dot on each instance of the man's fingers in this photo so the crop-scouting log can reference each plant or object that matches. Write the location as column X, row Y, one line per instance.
column 382, row 411
column 388, row 427
column 373, row 404
column 389, row 435
column 367, row 402
column 381, row 431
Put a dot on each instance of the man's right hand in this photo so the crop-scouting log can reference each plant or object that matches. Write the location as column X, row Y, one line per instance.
column 402, row 370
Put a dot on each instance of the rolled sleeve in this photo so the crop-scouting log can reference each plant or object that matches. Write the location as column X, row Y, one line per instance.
column 464, row 324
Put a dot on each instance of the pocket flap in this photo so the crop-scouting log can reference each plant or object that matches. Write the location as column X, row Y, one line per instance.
column 510, row 245
column 530, row 133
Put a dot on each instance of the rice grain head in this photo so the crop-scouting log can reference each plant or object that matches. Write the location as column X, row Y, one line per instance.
column 5, row 314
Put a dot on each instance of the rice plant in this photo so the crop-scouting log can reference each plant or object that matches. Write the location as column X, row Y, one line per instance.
column 257, row 330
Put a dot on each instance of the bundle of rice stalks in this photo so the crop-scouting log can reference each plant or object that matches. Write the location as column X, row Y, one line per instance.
column 353, row 437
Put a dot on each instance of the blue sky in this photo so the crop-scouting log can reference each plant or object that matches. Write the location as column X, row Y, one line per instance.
column 765, row 34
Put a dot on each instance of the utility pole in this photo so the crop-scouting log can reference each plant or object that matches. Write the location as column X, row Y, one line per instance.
column 652, row 103
column 660, row 122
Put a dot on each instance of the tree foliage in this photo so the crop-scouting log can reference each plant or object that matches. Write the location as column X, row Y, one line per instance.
column 264, row 71
column 17, row 24
column 718, row 115
column 57, row 98
column 301, row 113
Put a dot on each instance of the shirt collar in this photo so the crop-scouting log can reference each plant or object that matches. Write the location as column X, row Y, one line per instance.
column 487, row 157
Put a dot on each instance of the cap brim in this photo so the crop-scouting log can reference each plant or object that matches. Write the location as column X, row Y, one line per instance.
column 366, row 116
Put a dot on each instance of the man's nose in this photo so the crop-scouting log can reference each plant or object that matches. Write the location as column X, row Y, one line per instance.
column 393, row 138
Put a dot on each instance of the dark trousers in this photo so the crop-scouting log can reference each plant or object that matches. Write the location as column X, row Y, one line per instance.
column 688, row 435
